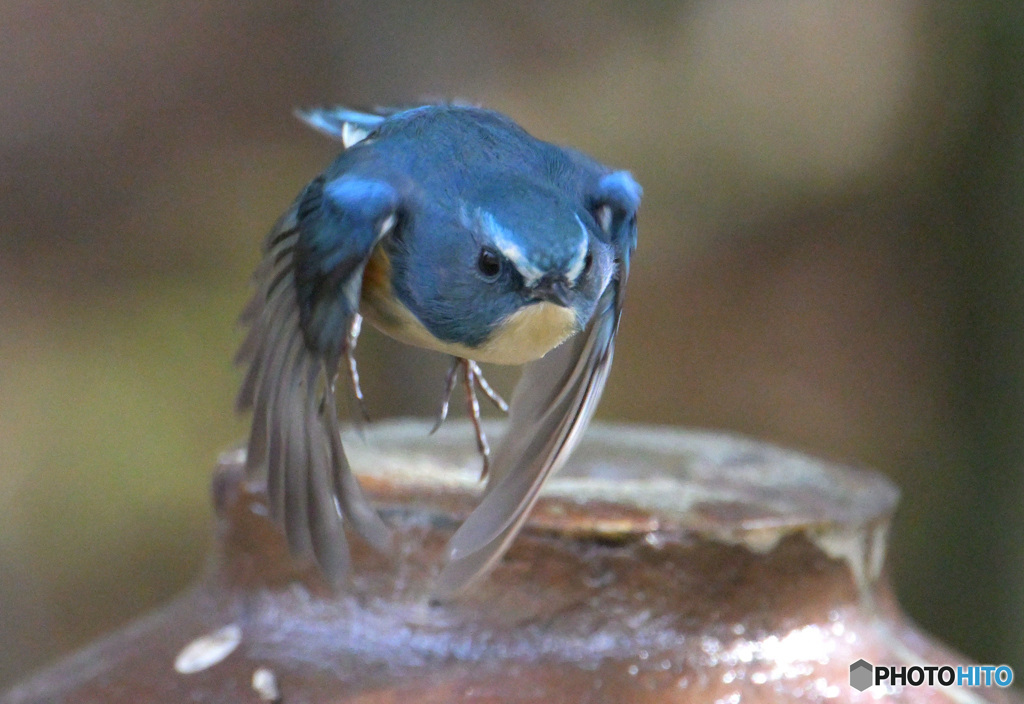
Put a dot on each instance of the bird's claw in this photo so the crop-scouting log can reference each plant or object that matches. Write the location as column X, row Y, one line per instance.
column 449, row 386
column 471, row 377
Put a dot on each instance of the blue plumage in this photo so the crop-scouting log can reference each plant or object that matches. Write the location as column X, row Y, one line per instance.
column 339, row 221
column 449, row 228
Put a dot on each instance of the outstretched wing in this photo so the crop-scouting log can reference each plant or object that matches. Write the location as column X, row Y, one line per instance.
column 308, row 289
column 551, row 407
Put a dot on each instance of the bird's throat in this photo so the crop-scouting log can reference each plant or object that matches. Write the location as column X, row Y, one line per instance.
column 526, row 335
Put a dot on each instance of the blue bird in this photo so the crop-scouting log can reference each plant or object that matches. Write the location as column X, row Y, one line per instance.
column 449, row 228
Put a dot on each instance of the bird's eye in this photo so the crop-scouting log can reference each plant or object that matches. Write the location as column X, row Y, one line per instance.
column 489, row 263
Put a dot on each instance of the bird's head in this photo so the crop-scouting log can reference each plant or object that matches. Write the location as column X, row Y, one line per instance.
column 502, row 246
column 511, row 269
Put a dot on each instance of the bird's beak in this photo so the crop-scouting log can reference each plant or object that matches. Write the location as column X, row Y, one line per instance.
column 553, row 290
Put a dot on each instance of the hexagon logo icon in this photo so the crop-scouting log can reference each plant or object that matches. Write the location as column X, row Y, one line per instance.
column 861, row 675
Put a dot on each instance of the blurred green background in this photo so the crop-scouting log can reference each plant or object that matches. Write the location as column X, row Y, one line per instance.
column 831, row 257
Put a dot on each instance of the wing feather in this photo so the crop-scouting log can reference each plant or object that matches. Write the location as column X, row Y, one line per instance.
column 307, row 292
column 274, row 411
column 551, row 407
column 291, row 446
column 327, row 532
column 287, row 448
column 358, row 510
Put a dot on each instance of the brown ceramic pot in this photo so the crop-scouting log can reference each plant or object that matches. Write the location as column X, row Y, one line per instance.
column 660, row 566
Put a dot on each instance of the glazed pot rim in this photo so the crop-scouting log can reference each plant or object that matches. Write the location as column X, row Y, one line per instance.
column 631, row 478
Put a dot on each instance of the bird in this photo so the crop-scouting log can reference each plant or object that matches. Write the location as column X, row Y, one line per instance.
column 447, row 227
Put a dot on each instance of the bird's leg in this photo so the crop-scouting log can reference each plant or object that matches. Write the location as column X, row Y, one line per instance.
column 353, row 371
column 449, row 387
column 470, row 370
column 481, row 383
column 474, row 380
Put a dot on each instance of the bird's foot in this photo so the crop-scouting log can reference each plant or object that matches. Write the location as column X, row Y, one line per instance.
column 474, row 380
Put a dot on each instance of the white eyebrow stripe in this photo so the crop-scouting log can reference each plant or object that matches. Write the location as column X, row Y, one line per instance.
column 576, row 268
column 503, row 239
